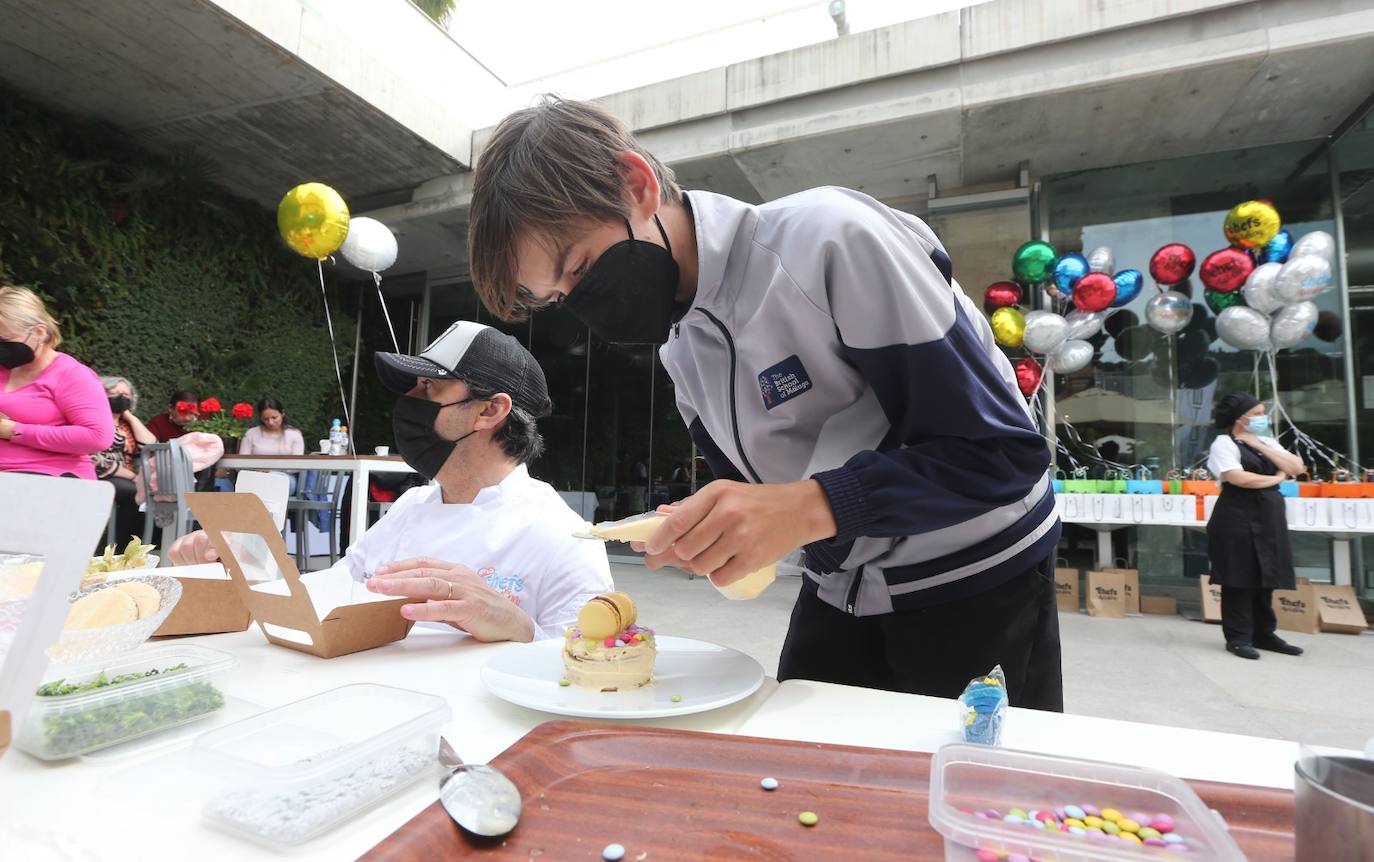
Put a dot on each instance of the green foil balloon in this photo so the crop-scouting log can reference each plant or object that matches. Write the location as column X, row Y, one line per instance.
column 1216, row 300
column 1033, row 262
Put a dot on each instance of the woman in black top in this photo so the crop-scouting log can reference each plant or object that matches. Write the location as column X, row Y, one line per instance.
column 1247, row 536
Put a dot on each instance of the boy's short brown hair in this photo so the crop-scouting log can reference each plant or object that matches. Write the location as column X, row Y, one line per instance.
column 546, row 171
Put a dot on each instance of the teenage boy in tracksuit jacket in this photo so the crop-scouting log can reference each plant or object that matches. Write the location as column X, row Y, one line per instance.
column 847, row 395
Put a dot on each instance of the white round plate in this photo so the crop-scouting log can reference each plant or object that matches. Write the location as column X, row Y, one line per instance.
column 703, row 675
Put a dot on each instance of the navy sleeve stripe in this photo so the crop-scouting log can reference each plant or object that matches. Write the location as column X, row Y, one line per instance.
column 721, row 466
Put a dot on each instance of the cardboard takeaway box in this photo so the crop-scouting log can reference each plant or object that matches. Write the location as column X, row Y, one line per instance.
column 321, row 617
column 210, row 602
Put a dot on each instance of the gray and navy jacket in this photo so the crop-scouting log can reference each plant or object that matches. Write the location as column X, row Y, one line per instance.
column 828, row 339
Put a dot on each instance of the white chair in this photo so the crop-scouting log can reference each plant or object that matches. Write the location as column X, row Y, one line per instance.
column 274, row 489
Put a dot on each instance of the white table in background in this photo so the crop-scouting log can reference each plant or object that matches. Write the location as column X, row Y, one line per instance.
column 93, row 800
column 358, row 467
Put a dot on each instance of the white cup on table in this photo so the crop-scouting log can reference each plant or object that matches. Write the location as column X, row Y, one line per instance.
column 324, row 447
column 382, row 450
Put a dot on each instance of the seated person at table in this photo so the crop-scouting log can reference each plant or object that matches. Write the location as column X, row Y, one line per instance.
column 272, row 435
column 466, row 418
column 182, row 410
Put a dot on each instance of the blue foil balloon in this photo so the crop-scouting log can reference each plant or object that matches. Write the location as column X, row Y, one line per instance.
column 1128, row 284
column 1067, row 271
column 1278, row 248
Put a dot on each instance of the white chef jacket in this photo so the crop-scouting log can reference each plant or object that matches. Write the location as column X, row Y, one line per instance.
column 516, row 535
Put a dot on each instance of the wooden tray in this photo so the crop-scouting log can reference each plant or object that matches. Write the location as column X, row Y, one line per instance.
column 681, row 795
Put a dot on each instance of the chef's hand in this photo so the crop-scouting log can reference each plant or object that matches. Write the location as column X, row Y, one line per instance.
column 729, row 529
column 193, row 549
column 454, row 594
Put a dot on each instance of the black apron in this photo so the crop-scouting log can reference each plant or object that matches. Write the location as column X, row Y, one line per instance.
column 1247, row 537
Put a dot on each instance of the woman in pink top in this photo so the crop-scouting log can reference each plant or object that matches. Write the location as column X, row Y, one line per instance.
column 272, row 436
column 53, row 411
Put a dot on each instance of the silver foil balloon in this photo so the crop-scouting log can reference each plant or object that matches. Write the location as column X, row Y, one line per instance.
column 1261, row 289
column 1169, row 312
column 1292, row 324
column 1318, row 243
column 1045, row 332
column 1071, row 356
column 1101, row 259
column 1084, row 324
column 1243, row 328
column 1304, row 277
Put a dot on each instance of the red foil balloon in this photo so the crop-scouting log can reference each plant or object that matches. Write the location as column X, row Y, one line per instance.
column 1028, row 373
column 1094, row 292
column 1001, row 294
column 1226, row 270
column 1172, row 263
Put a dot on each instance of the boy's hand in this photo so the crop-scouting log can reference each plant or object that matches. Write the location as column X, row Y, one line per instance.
column 729, row 529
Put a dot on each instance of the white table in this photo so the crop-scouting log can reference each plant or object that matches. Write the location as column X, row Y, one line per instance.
column 1106, row 513
column 359, row 467
column 94, row 800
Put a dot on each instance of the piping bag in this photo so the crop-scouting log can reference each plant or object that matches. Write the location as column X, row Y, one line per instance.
column 638, row 528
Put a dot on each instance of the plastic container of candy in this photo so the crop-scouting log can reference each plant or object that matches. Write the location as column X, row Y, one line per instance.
column 986, row 802
column 290, row 774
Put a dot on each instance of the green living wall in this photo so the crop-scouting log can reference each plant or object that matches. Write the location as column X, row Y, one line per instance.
column 159, row 274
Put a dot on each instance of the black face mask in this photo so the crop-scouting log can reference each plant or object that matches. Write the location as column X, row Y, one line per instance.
column 14, row 354
column 626, row 297
column 120, row 403
column 412, row 421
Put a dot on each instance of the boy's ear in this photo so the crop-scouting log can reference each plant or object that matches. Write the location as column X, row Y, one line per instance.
column 641, row 184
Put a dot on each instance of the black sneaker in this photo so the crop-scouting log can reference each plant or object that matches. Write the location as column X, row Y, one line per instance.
column 1274, row 643
column 1243, row 650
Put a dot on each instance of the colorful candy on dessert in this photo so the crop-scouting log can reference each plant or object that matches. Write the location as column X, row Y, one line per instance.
column 608, row 650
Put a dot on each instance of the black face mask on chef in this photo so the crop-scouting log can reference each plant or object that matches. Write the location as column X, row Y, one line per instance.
column 14, row 354
column 412, row 421
column 626, row 297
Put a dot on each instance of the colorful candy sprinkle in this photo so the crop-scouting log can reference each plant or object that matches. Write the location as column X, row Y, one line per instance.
column 1075, row 812
column 1128, row 824
column 1148, row 832
column 677, row 698
column 608, row 642
column 808, row 818
column 986, row 856
column 769, row 784
column 1092, row 810
column 613, row 853
column 1111, row 814
column 1092, row 820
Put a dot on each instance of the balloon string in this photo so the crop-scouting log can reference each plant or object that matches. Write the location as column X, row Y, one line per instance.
column 334, row 347
column 1173, row 409
column 1301, row 439
column 377, row 277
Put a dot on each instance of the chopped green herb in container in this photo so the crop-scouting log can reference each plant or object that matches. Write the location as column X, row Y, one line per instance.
column 106, row 703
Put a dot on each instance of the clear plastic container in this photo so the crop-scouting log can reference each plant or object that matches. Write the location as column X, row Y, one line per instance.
column 62, row 726
column 287, row 775
column 972, row 778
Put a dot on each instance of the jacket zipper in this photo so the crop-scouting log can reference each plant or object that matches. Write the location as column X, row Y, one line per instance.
column 734, row 408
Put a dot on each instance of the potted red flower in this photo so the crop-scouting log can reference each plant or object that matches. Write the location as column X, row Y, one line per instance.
column 212, row 419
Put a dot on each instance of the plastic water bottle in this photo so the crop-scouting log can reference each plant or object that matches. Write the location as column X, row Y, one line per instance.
column 343, row 440
column 336, row 444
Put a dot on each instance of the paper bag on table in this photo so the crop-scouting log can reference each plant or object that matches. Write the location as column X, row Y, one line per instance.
column 1131, row 588
column 210, row 602
column 1066, row 590
column 1106, row 595
column 1211, row 600
column 1337, row 609
column 1296, row 609
column 326, row 614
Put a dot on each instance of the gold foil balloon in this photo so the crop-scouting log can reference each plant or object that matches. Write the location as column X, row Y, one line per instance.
column 313, row 220
column 1252, row 224
column 1008, row 326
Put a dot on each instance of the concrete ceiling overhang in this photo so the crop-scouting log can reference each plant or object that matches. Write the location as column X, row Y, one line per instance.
column 968, row 96
column 273, row 98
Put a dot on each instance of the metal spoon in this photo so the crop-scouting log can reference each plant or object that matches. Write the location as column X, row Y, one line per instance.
column 479, row 798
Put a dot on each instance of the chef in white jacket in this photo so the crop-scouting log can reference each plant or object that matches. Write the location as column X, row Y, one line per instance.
column 486, row 549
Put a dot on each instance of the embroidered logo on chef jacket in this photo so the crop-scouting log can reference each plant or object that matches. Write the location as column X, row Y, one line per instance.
column 510, row 586
column 783, row 381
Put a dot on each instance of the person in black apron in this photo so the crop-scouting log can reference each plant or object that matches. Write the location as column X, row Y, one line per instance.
column 1247, row 536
